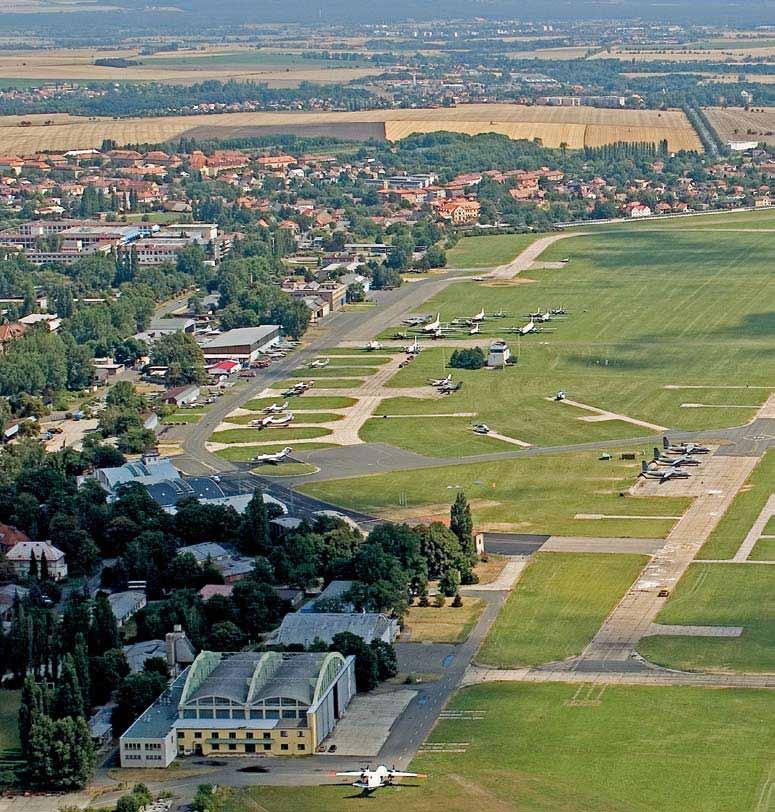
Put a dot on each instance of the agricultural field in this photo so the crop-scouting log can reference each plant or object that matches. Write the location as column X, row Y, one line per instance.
column 562, row 747
column 276, row 68
column 523, row 495
column 488, row 252
column 560, row 601
column 727, row 55
column 647, row 315
column 719, row 595
column 574, row 126
column 731, row 531
column 736, row 124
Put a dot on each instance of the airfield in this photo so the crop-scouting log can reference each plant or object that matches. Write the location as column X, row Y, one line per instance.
column 623, row 657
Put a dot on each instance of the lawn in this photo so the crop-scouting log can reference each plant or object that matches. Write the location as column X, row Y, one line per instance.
column 10, row 755
column 328, row 383
column 245, row 453
column 566, row 748
column 435, row 437
column 286, row 469
column 299, row 417
column 357, row 360
column 446, row 624
column 488, row 252
column 558, row 605
column 647, row 311
column 764, row 550
column 333, row 372
column 719, row 595
column 730, row 532
column 257, row 435
column 308, row 401
column 541, row 494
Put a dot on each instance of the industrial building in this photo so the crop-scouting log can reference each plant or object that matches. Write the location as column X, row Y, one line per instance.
column 243, row 703
column 242, row 344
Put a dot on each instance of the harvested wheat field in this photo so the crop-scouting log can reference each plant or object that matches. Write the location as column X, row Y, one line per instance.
column 574, row 126
column 276, row 68
column 732, row 56
column 736, row 124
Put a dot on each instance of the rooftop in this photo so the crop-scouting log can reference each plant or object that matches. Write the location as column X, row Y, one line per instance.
column 242, row 335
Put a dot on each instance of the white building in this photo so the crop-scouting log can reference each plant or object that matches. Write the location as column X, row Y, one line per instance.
column 20, row 558
column 499, row 354
column 242, row 344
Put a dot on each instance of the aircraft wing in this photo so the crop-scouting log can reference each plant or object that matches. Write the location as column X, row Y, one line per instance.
column 399, row 774
column 353, row 774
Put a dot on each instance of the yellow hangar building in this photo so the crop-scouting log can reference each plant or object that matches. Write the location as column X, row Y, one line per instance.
column 243, row 703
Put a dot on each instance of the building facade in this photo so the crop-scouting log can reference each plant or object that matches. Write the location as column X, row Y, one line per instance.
column 243, row 703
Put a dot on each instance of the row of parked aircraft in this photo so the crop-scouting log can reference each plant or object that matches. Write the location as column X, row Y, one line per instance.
column 669, row 462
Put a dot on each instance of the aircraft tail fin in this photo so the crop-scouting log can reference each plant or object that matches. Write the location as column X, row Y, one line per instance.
column 665, row 442
column 643, row 466
column 657, row 453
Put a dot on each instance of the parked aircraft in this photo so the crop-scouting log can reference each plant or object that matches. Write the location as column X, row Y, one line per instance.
column 499, row 315
column 320, row 363
column 560, row 395
column 530, row 327
column 480, row 316
column 662, row 474
column 449, row 388
column 278, row 420
column 272, row 459
column 684, row 448
column 373, row 345
column 474, row 330
column 677, row 462
column 482, row 428
column 275, row 408
column 414, row 321
column 440, row 381
column 413, row 348
column 370, row 780
column 433, row 326
column 539, row 316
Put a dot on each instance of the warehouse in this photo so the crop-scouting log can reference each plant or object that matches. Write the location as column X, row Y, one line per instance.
column 243, row 703
column 242, row 344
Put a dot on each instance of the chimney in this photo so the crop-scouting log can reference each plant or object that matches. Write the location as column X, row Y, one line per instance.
column 171, row 641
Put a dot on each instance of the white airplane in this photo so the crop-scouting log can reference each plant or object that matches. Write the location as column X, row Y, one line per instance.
column 373, row 345
column 440, row 381
column 482, row 428
column 370, row 780
column 479, row 316
column 530, row 327
column 320, row 363
column 275, row 408
column 434, row 326
column 414, row 348
column 273, row 459
column 474, row 331
column 539, row 316
column 284, row 420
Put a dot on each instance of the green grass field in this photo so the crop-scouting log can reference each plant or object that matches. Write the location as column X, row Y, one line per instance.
column 565, row 748
column 245, row 453
column 488, row 252
column 531, row 494
column 764, row 550
column 10, row 755
column 719, row 595
column 730, row 532
column 557, row 606
column 435, row 437
column 245, row 58
column 308, row 401
column 256, row 435
column 333, row 372
column 646, row 311
column 286, row 469
column 359, row 359
column 327, row 383
column 299, row 417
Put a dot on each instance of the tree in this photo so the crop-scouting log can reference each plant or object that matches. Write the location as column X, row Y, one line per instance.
column 103, row 632
column 34, row 703
column 136, row 693
column 366, row 660
column 106, row 673
column 257, row 606
column 182, row 355
column 462, row 525
column 225, row 636
column 387, row 662
column 449, row 582
column 254, row 528
column 441, row 549
column 61, row 753
column 68, row 699
column 467, row 358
